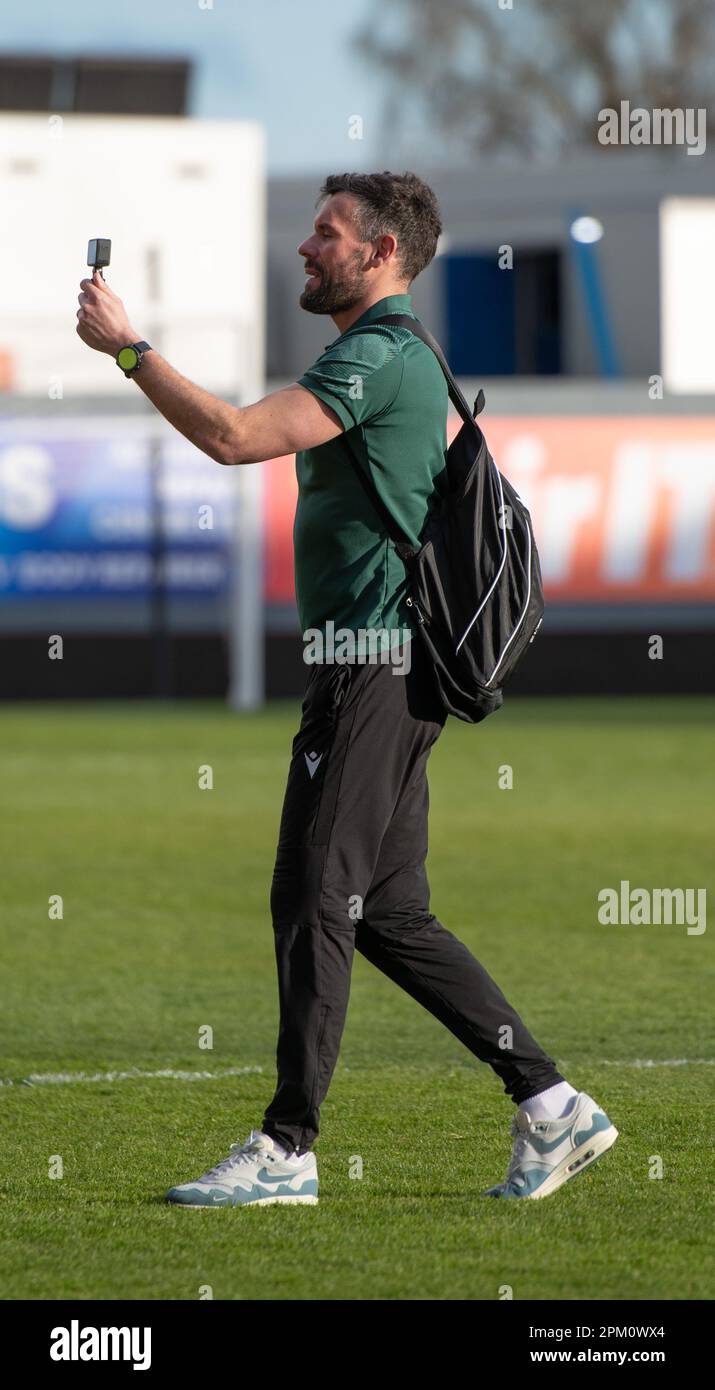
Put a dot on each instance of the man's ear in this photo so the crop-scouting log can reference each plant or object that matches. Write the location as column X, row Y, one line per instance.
column 385, row 249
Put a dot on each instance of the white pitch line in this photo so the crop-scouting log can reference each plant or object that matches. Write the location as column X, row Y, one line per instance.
column 68, row 1078
column 666, row 1062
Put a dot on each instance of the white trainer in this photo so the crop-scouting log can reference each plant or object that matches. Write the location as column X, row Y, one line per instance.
column 547, row 1153
column 255, row 1173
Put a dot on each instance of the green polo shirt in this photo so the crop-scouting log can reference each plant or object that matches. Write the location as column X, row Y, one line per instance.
column 387, row 389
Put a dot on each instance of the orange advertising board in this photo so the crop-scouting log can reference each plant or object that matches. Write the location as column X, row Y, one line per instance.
column 623, row 507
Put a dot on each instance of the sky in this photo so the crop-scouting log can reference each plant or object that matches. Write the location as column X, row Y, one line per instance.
column 289, row 65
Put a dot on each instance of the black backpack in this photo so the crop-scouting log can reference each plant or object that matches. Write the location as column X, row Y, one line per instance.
column 475, row 579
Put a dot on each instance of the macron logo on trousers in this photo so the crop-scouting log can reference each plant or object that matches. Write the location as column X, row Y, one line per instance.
column 75, row 1343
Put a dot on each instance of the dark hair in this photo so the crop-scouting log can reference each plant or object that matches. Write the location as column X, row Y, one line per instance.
column 398, row 203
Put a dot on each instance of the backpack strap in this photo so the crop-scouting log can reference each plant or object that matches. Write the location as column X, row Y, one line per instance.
column 458, row 400
column 404, row 546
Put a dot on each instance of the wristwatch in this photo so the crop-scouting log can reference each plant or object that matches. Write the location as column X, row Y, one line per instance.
column 129, row 359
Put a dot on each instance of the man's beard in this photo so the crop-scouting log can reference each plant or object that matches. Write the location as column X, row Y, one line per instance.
column 337, row 292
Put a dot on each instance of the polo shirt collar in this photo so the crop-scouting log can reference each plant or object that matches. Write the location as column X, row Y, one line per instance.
column 391, row 304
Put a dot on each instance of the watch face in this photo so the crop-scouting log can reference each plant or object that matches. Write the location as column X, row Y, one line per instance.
column 127, row 357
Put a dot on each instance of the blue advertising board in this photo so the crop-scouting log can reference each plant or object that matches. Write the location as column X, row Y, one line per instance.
column 106, row 508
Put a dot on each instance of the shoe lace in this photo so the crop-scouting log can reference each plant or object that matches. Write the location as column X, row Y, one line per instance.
column 245, row 1151
column 521, row 1140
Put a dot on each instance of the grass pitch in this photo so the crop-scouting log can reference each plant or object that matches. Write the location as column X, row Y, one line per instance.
column 166, row 930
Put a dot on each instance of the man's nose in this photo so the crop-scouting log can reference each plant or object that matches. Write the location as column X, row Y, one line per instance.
column 304, row 248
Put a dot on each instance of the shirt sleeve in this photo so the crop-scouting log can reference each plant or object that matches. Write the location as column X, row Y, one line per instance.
column 358, row 377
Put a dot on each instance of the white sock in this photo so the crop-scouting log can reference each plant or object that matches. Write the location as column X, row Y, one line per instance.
column 278, row 1149
column 551, row 1104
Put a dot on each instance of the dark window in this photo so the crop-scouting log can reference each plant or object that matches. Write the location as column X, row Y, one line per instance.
column 105, row 86
column 25, row 84
column 503, row 322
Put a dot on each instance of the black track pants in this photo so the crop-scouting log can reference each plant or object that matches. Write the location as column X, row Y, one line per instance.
column 350, row 873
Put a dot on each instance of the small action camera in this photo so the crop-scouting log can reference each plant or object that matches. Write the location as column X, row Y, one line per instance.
column 99, row 251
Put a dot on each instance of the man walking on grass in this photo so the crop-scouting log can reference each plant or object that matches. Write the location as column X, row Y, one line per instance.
column 350, row 866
